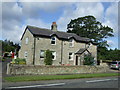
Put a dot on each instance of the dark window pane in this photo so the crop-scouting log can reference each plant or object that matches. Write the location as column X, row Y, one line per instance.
column 69, row 57
column 70, row 53
column 52, row 42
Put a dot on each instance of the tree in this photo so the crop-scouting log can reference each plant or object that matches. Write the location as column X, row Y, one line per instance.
column 8, row 46
column 89, row 27
column 102, row 53
column 48, row 57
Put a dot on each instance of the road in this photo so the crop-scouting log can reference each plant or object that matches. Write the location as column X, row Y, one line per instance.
column 106, row 82
column 3, row 68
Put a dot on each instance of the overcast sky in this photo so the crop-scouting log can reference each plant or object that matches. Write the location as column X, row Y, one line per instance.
column 17, row 15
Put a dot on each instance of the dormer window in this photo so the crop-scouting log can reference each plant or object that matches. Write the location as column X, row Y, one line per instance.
column 26, row 40
column 53, row 41
column 71, row 43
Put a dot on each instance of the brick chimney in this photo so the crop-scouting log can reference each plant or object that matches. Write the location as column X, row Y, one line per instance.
column 54, row 26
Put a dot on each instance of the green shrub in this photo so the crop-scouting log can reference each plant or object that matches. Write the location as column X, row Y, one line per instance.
column 3, row 59
column 19, row 61
column 88, row 60
column 48, row 58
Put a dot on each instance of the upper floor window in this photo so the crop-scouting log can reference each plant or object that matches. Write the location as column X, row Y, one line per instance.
column 26, row 40
column 53, row 40
column 70, row 56
column 71, row 43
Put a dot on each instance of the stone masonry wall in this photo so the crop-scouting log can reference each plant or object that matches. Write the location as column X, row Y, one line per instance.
column 61, row 48
column 27, row 47
column 39, row 70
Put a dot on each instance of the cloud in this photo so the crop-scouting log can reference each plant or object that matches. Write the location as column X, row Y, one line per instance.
column 38, row 23
column 81, row 9
column 34, row 9
column 111, row 20
column 13, row 34
column 111, row 17
column 11, row 10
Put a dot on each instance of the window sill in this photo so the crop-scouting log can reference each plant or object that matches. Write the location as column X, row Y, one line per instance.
column 53, row 44
column 71, row 47
column 71, row 60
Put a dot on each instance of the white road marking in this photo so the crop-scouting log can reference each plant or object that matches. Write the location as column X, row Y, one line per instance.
column 36, row 86
column 100, row 80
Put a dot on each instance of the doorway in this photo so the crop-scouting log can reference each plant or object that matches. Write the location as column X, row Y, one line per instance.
column 76, row 63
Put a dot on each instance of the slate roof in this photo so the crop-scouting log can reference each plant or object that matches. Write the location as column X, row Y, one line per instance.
column 36, row 31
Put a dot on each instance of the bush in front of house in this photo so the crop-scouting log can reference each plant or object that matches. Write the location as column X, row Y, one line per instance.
column 18, row 61
column 88, row 60
column 48, row 57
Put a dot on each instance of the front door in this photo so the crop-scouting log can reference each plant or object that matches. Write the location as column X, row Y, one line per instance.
column 76, row 63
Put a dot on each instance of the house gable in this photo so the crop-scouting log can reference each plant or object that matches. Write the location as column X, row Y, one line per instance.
column 25, row 32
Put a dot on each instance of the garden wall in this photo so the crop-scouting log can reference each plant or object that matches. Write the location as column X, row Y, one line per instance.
column 39, row 70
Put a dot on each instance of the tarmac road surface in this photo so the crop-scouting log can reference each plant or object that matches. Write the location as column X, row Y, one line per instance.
column 106, row 82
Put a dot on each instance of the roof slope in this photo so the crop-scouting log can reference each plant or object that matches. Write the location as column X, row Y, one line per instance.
column 61, row 35
column 82, row 50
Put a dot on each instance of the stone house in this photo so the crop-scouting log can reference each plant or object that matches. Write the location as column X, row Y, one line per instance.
column 67, row 48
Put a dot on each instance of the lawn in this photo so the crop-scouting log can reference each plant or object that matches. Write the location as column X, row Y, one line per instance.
column 56, row 77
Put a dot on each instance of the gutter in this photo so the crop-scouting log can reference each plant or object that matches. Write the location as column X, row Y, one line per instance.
column 34, row 51
column 61, row 51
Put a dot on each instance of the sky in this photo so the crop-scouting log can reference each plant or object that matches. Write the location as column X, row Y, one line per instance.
column 17, row 15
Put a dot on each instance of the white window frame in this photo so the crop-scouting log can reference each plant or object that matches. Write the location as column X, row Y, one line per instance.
column 71, row 43
column 42, row 51
column 25, row 54
column 71, row 56
column 26, row 40
column 54, row 53
column 53, row 40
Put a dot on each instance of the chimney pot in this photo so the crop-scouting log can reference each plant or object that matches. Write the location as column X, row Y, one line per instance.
column 54, row 23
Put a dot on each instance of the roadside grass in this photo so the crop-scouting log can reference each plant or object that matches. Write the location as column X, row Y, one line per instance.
column 56, row 77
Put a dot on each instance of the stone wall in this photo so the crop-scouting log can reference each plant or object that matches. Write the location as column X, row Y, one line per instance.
column 39, row 70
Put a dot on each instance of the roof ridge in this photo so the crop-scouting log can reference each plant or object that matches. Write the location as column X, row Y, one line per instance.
column 48, row 29
column 37, row 27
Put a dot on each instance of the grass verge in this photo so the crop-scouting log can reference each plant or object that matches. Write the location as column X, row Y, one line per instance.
column 56, row 77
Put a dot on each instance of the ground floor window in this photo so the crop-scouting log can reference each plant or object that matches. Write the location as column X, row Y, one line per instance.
column 70, row 56
column 42, row 53
column 53, row 55
column 25, row 54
